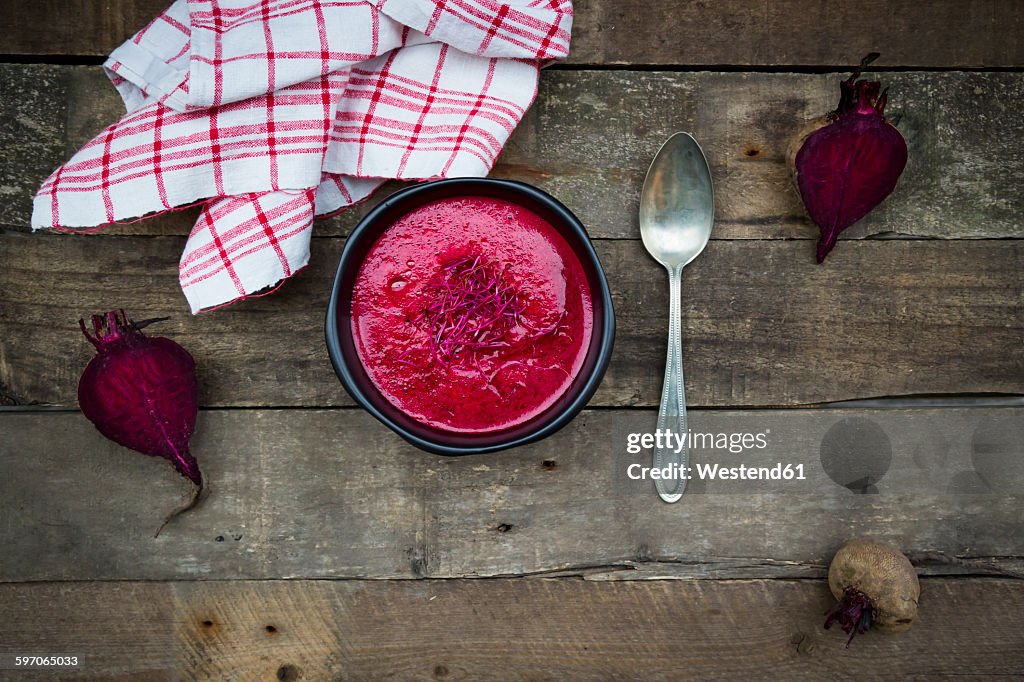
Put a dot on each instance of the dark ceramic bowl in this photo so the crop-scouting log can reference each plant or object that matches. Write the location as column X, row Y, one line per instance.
column 347, row 364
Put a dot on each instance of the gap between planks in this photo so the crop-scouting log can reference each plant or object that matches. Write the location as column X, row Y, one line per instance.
column 796, row 69
column 955, row 401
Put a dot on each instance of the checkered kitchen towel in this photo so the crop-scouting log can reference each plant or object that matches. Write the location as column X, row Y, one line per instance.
column 274, row 112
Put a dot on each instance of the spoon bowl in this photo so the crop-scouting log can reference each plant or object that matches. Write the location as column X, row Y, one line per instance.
column 677, row 211
column 677, row 205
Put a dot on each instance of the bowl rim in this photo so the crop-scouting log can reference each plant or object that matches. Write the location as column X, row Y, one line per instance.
column 584, row 250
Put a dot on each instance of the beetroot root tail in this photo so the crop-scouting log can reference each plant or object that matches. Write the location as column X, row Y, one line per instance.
column 190, row 501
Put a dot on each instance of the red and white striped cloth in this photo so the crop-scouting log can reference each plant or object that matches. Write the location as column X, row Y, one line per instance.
column 274, row 112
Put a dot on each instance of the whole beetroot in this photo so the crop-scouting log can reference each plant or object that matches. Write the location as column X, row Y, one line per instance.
column 141, row 392
column 848, row 161
column 876, row 586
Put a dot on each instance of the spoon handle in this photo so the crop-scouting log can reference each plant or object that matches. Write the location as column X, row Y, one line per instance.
column 672, row 413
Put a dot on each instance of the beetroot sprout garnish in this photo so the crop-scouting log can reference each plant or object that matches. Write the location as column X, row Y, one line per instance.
column 475, row 308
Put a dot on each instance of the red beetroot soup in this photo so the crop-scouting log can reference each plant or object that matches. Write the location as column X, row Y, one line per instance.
column 472, row 314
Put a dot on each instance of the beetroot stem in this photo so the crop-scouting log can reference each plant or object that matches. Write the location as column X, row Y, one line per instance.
column 92, row 339
column 854, row 613
column 141, row 324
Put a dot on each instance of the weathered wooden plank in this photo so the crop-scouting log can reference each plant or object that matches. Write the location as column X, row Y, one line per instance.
column 502, row 630
column 798, row 32
column 590, row 137
column 945, row 33
column 763, row 324
column 73, row 27
column 33, row 135
column 333, row 494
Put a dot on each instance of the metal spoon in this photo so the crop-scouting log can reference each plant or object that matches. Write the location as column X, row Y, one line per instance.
column 677, row 210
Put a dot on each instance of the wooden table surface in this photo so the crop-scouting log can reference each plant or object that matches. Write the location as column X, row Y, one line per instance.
column 328, row 548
